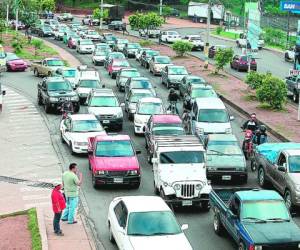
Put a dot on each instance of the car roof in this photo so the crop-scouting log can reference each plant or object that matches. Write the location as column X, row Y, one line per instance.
column 201, row 86
column 139, row 78
column 150, row 99
column 222, row 137
column 52, row 58
column 112, row 137
column 256, row 195
column 135, row 91
column 82, row 117
column 128, row 69
column 209, row 103
column 55, row 79
column 144, row 203
column 166, row 118
column 175, row 66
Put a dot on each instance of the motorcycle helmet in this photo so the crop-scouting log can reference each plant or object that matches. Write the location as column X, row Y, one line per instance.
column 172, row 90
column 262, row 128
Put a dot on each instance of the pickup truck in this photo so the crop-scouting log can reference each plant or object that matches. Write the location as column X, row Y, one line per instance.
column 293, row 87
column 255, row 219
column 151, row 32
column 46, row 67
column 113, row 161
column 179, row 171
column 279, row 164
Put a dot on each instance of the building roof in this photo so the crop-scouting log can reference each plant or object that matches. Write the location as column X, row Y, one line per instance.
column 166, row 118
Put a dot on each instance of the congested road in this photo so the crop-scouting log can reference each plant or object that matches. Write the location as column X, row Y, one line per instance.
column 200, row 232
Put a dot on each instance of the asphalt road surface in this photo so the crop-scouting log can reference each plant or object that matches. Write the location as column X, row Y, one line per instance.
column 200, row 232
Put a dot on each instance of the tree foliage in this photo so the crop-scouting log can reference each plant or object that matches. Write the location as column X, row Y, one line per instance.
column 254, row 79
column 223, row 57
column 145, row 21
column 47, row 5
column 37, row 44
column 272, row 91
column 97, row 13
column 181, row 47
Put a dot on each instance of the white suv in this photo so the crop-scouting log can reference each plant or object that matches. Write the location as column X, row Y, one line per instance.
column 170, row 36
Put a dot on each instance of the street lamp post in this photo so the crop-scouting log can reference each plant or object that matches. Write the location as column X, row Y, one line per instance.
column 207, row 34
column 160, row 7
column 101, row 12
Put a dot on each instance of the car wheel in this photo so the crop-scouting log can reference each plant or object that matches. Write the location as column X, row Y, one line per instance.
column 111, row 236
column 288, row 200
column 205, row 206
column 295, row 96
column 261, row 177
column 39, row 100
column 156, row 191
column 242, row 246
column 47, row 108
column 71, row 149
column 94, row 181
column 135, row 185
column 61, row 138
column 49, row 74
column 36, row 72
column 218, row 226
column 8, row 69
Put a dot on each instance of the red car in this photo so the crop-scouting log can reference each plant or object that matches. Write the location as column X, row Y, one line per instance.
column 14, row 63
column 72, row 42
column 240, row 62
column 113, row 161
column 115, row 65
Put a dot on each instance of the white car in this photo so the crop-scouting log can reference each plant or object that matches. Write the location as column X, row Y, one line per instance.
column 85, row 85
column 76, row 129
column 170, row 36
column 92, row 35
column 139, row 53
column 145, row 223
column 144, row 109
column 289, row 55
column 68, row 73
column 196, row 40
column 98, row 57
column 85, row 46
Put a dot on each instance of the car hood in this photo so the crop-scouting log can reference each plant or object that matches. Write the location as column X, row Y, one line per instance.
column 99, row 57
column 295, row 177
column 104, row 110
column 277, row 232
column 211, row 127
column 176, row 77
column 192, row 172
column 87, row 46
column 117, row 163
column 214, row 160
column 143, row 118
column 161, row 66
column 61, row 93
column 83, row 137
column 83, row 90
column 174, row 242
column 19, row 61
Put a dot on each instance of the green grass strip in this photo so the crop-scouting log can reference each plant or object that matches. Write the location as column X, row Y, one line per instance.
column 34, row 230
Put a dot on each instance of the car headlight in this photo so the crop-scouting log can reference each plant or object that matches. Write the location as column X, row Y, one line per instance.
column 132, row 172
column 199, row 130
column 299, row 245
column 228, row 131
column 166, row 184
column 298, row 190
column 53, row 99
column 177, row 187
column 119, row 114
column 257, row 247
column 211, row 168
column 74, row 98
column 77, row 143
column 101, row 172
column 198, row 186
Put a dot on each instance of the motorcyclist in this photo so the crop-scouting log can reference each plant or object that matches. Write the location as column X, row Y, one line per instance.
column 251, row 124
column 187, row 103
column 173, row 98
column 66, row 107
column 261, row 135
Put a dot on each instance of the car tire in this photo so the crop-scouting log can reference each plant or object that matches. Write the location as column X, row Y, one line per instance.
column 242, row 246
column 295, row 96
column 49, row 74
column 286, row 57
column 76, row 110
column 135, row 185
column 205, row 206
column 8, row 69
column 94, row 181
column 261, row 176
column 156, row 191
column 218, row 226
column 288, row 200
column 111, row 236
column 36, row 72
column 71, row 148
column 62, row 139
column 47, row 108
column 40, row 102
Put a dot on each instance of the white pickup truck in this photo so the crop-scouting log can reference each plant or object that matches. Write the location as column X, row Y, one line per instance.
column 179, row 171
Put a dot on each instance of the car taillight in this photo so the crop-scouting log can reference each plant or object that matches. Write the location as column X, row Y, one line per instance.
column 253, row 62
column 243, row 62
column 251, row 247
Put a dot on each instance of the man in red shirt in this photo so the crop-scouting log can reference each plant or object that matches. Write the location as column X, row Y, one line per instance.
column 58, row 205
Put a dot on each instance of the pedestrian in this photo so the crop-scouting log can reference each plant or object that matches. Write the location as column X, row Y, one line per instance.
column 124, row 29
column 159, row 38
column 58, row 205
column 71, row 183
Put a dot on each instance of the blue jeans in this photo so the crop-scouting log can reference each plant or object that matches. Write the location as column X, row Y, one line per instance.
column 56, row 221
column 69, row 212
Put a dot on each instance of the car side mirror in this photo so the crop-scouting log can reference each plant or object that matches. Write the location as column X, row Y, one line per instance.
column 282, row 168
column 138, row 152
column 154, row 160
column 184, row 227
column 74, row 88
column 3, row 92
column 231, row 118
column 122, row 105
column 67, row 130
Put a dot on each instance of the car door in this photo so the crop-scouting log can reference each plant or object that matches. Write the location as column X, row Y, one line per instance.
column 67, row 130
column 147, row 132
column 44, row 92
column 280, row 176
column 232, row 217
column 118, row 224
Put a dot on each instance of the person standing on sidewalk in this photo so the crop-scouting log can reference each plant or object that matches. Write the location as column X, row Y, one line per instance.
column 58, row 205
column 71, row 184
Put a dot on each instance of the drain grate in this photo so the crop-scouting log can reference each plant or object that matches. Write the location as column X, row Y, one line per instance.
column 30, row 183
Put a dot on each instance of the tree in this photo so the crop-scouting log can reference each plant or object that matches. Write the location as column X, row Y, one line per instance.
column 97, row 14
column 166, row 11
column 182, row 47
column 255, row 79
column 273, row 91
column 37, row 44
column 223, row 57
column 145, row 21
column 47, row 5
column 2, row 28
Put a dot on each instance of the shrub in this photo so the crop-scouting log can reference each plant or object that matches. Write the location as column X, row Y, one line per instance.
column 275, row 37
column 223, row 57
column 254, row 79
column 272, row 91
column 219, row 30
column 145, row 43
column 37, row 44
column 17, row 45
column 182, row 47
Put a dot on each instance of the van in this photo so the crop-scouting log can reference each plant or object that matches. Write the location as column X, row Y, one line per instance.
column 2, row 93
column 209, row 116
column 2, row 59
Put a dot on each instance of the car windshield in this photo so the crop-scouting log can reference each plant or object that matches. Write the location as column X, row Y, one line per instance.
column 177, row 71
column 141, row 84
column 121, row 63
column 294, row 164
column 117, row 56
column 168, row 131
column 162, row 60
column 100, row 53
column 150, row 108
column 137, row 96
column 69, row 73
column 195, row 80
column 244, row 58
column 114, row 149
column 87, row 126
column 104, row 101
column 59, row 86
column 213, row 115
column 130, row 73
column 264, row 210
column 89, row 84
column 181, row 157
column 122, row 41
column 133, row 46
column 172, row 33
column 11, row 57
column 194, row 38
column 223, row 147
column 86, row 42
column 152, row 223
column 55, row 63
column 151, row 53
column 199, row 92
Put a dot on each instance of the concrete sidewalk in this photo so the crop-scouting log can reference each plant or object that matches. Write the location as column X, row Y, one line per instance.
column 28, row 154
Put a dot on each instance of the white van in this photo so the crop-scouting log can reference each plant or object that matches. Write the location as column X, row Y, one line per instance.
column 210, row 116
column 2, row 93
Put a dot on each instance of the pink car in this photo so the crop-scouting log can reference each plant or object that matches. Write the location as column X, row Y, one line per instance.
column 115, row 65
column 113, row 160
column 14, row 63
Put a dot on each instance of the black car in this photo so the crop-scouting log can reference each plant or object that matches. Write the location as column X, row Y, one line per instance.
column 53, row 91
column 44, row 31
column 115, row 25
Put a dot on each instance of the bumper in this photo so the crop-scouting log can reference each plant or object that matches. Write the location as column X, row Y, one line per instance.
column 112, row 123
column 17, row 67
column 80, row 149
column 101, row 61
column 56, row 105
column 225, row 175
column 108, row 180
column 86, row 51
column 245, row 67
column 178, row 202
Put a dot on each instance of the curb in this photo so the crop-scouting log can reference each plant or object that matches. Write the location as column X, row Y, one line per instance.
column 42, row 228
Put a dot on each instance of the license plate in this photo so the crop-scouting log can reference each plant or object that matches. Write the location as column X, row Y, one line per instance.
column 226, row 177
column 187, row 203
column 118, row 180
column 105, row 121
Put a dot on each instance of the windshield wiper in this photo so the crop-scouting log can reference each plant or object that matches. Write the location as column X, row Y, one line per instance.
column 256, row 219
column 138, row 234
column 217, row 152
column 162, row 233
column 277, row 219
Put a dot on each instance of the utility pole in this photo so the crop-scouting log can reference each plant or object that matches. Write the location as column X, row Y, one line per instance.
column 207, row 34
column 101, row 12
column 160, row 7
column 288, row 30
column 17, row 17
column 7, row 13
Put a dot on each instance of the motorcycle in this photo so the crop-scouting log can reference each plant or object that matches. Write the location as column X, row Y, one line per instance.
column 172, row 109
column 248, row 144
column 65, row 107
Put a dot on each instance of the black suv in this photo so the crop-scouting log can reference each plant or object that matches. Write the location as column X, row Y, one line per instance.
column 53, row 91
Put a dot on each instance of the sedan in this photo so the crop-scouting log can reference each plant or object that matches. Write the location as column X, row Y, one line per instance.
column 76, row 129
column 120, row 44
column 240, row 62
column 131, row 49
column 143, row 223
column 85, row 46
column 196, row 40
column 45, row 31
column 157, row 63
column 123, row 76
column 115, row 25
column 188, row 81
column 115, row 65
column 98, row 57
column 113, row 55
column 172, row 75
column 146, row 57
column 14, row 63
